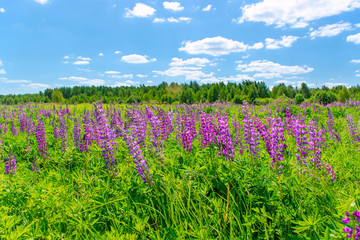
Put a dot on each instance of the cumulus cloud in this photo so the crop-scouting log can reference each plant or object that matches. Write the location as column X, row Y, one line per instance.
column 2, row 10
column 267, row 69
column 172, row 20
column 215, row 46
column 81, row 62
column 111, row 72
column 141, row 75
column 285, row 41
column 132, row 82
column 207, row 8
column 84, row 80
column 66, row 57
column 136, row 59
column 74, row 78
column 1, row 64
column 190, row 73
column 354, row 38
column 36, row 85
column 123, row 76
column 101, row 54
column 5, row 80
column 84, row 58
column 174, row 6
column 42, row 1
column 331, row 85
column 331, row 30
column 140, row 10
column 159, row 20
column 117, row 52
column 2, row 71
column 121, row 84
column 256, row 46
column 178, row 62
column 355, row 61
column 296, row 13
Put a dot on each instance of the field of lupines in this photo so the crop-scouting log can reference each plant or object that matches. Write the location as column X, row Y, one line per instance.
column 212, row 171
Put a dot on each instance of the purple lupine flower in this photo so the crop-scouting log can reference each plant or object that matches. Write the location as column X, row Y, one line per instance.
column 63, row 133
column 107, row 142
column 88, row 132
column 224, row 139
column 331, row 128
column 10, row 164
column 251, row 136
column 139, row 160
column 352, row 129
column 353, row 221
column 13, row 128
column 23, row 121
column 237, row 131
column 156, row 139
column 41, row 139
column 77, row 134
column 300, row 134
column 207, row 130
column 188, row 130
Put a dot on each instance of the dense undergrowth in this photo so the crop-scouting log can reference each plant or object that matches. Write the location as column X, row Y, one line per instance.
column 202, row 182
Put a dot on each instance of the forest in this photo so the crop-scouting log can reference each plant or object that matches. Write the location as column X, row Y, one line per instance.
column 256, row 92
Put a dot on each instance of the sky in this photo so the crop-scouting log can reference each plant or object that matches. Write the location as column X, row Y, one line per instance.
column 56, row 43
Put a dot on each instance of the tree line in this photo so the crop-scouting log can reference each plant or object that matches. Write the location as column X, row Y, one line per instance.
column 254, row 92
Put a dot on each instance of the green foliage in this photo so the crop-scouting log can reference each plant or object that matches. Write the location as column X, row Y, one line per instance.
column 325, row 97
column 299, row 98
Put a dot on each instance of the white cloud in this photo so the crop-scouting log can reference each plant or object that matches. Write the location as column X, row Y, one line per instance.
column 73, row 78
column 117, row 52
column 331, row 30
column 41, row 1
column 237, row 78
column 81, row 62
column 287, row 82
column 131, row 82
column 256, row 46
column 285, row 41
column 123, row 76
column 354, row 38
column 149, row 81
column 84, row 58
column 355, row 61
column 331, row 85
column 136, row 58
column 1, row 64
column 121, row 84
column 210, row 80
column 35, row 85
column 95, row 82
column 5, row 80
column 207, row 8
column 172, row 20
column 141, row 75
column 296, row 13
column 178, row 62
column 111, row 72
column 101, row 54
column 159, row 20
column 357, row 75
column 66, row 57
column 215, row 46
column 2, row 10
column 140, row 10
column 2, row 71
column 190, row 73
column 267, row 69
column 174, row 6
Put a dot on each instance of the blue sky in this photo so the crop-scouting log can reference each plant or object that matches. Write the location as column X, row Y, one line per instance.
column 54, row 43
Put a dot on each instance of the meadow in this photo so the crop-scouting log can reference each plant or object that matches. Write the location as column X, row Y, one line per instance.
column 201, row 171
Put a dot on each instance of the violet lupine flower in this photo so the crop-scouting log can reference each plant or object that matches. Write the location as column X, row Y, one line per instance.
column 41, row 139
column 165, row 125
column 353, row 221
column 107, row 142
column 300, row 134
column 13, row 128
column 352, row 129
column 22, row 120
column 207, row 130
column 316, row 139
column 63, row 133
column 77, row 134
column 276, row 142
column 224, row 139
column 155, row 129
column 139, row 160
column 1, row 146
column 138, row 126
column 10, row 164
column 88, row 132
column 331, row 128
column 237, row 130
column 251, row 136
column 188, row 131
